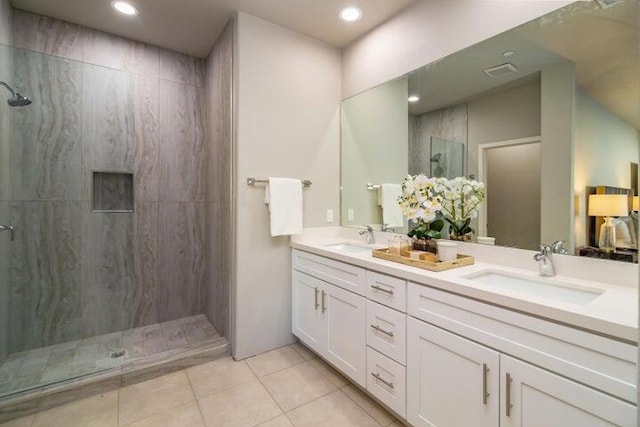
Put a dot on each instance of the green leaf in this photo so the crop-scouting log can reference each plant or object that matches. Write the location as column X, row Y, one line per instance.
column 433, row 234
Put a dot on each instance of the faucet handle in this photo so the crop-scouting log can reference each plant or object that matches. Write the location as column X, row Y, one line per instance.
column 545, row 251
column 558, row 248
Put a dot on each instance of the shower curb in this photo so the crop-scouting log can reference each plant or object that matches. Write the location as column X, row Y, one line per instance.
column 102, row 382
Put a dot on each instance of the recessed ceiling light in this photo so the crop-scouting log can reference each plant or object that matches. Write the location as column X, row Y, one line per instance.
column 124, row 7
column 508, row 53
column 414, row 98
column 350, row 14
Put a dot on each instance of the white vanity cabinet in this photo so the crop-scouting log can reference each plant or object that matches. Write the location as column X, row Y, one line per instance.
column 331, row 321
column 536, row 397
column 439, row 359
column 452, row 381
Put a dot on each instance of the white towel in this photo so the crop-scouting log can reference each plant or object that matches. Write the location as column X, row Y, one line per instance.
column 284, row 197
column 391, row 212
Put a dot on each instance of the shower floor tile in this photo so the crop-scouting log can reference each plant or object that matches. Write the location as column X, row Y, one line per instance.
column 49, row 365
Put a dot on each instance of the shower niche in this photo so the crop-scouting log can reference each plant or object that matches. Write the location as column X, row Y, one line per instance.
column 112, row 192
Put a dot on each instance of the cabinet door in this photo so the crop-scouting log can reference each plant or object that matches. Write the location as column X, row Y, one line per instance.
column 451, row 381
column 538, row 398
column 345, row 316
column 307, row 317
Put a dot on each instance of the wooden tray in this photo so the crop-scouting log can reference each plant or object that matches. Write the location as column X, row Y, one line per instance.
column 462, row 261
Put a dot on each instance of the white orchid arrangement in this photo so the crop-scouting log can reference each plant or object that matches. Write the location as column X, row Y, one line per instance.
column 420, row 202
column 460, row 202
column 425, row 200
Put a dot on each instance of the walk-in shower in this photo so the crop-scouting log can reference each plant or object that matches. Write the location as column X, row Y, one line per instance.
column 16, row 99
column 106, row 269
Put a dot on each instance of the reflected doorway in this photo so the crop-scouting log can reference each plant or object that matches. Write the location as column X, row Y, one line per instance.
column 511, row 173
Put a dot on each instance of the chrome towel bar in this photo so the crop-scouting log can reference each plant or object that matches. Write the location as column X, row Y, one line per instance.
column 253, row 181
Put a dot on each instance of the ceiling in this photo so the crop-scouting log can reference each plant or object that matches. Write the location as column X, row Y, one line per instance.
column 192, row 26
column 602, row 43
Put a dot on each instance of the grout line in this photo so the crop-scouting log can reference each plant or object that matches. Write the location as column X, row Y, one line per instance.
column 393, row 418
column 305, row 403
column 281, row 369
column 286, row 414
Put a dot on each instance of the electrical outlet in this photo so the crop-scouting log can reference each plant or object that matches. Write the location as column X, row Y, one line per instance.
column 350, row 215
column 329, row 215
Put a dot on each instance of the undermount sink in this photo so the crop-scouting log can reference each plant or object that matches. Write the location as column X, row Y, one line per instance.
column 542, row 287
column 346, row 247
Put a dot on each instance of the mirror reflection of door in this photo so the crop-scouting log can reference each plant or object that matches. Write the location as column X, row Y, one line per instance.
column 512, row 177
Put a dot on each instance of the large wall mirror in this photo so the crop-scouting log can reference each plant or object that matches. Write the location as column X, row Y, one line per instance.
column 545, row 115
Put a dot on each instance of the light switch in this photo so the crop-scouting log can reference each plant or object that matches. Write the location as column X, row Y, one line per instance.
column 329, row 215
column 350, row 215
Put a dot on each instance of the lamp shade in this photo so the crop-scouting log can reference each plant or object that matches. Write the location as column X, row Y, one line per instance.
column 608, row 205
column 636, row 203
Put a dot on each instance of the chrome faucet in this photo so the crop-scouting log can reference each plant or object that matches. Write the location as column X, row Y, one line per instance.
column 544, row 258
column 558, row 248
column 369, row 232
column 387, row 229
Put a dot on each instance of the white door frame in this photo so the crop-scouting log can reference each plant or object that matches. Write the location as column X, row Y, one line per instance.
column 482, row 171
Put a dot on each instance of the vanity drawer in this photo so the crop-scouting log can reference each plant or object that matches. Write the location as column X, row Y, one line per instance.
column 337, row 273
column 387, row 290
column 387, row 331
column 600, row 362
column 387, row 380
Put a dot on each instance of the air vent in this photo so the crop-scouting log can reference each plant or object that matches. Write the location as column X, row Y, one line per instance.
column 607, row 3
column 501, row 70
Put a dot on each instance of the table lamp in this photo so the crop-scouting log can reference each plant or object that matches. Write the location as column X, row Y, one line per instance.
column 608, row 206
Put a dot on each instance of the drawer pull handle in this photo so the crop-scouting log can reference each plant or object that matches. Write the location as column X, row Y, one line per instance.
column 508, row 382
column 324, row 308
column 485, row 394
column 379, row 329
column 315, row 294
column 381, row 289
column 382, row 380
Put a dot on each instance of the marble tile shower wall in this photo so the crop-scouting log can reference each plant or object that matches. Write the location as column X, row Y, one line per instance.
column 218, row 197
column 103, row 103
column 448, row 123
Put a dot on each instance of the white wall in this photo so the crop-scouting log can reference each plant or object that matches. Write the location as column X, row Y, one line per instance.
column 556, row 130
column 430, row 30
column 605, row 146
column 287, row 124
column 503, row 116
column 374, row 148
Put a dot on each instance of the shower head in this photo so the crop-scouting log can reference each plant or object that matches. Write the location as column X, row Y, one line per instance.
column 436, row 158
column 16, row 99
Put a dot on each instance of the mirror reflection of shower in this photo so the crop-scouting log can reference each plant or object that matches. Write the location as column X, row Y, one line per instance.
column 447, row 159
column 438, row 170
column 16, row 99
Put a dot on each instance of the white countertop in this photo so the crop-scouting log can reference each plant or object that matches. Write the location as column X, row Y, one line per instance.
column 614, row 313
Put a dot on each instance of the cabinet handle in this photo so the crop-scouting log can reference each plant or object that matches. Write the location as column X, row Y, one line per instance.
column 379, row 329
column 485, row 394
column 381, row 289
column 315, row 295
column 382, row 380
column 324, row 308
column 507, row 384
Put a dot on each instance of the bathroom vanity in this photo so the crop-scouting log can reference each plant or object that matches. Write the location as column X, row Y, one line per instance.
column 484, row 345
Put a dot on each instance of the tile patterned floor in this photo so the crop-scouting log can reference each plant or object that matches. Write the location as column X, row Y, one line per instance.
column 49, row 365
column 286, row 387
